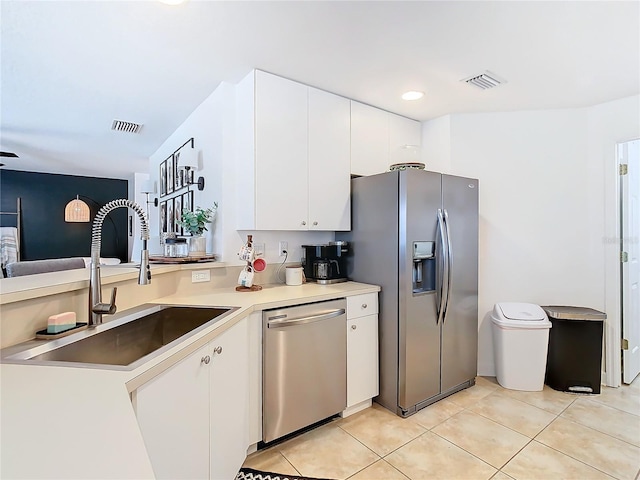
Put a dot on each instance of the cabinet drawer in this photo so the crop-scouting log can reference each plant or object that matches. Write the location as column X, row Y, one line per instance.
column 361, row 305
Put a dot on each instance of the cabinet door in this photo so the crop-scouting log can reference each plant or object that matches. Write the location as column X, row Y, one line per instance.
column 229, row 401
column 173, row 414
column 362, row 359
column 329, row 160
column 369, row 140
column 281, row 154
column 402, row 131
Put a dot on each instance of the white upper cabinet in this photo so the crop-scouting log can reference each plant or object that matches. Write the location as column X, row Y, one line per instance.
column 369, row 139
column 377, row 138
column 281, row 153
column 329, row 171
column 293, row 156
column 402, row 132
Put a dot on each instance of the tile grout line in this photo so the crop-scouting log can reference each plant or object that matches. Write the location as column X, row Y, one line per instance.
column 365, row 446
column 578, row 422
column 472, row 454
column 569, row 455
column 289, row 462
column 406, row 443
column 596, row 399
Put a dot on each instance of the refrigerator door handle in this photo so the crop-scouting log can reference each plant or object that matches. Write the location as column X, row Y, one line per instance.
column 441, row 293
column 449, row 262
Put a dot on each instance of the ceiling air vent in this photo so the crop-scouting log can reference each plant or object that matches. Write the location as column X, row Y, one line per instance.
column 485, row 80
column 129, row 127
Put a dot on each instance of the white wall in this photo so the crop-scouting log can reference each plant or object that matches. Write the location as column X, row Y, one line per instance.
column 212, row 125
column 541, row 204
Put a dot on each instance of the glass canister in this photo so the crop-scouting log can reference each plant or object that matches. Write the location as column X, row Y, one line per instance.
column 176, row 247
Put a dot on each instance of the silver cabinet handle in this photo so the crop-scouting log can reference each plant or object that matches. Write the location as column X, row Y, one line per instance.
column 353, row 327
column 315, row 223
column 205, row 360
column 304, row 223
column 364, row 305
column 217, row 350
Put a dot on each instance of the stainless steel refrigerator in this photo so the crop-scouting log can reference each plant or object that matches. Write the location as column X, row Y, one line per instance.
column 415, row 233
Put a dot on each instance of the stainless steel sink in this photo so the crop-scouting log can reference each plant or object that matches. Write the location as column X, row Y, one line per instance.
column 129, row 340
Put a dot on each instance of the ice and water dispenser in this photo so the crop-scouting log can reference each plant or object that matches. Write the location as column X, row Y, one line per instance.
column 424, row 267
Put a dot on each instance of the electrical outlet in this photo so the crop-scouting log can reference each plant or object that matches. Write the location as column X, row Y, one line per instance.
column 282, row 246
column 200, row 276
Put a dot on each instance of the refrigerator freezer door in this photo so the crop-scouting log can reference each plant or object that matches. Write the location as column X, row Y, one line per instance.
column 419, row 331
column 460, row 324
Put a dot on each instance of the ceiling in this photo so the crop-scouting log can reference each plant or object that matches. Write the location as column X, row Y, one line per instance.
column 69, row 68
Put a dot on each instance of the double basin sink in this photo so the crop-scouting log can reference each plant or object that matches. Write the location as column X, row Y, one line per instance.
column 128, row 341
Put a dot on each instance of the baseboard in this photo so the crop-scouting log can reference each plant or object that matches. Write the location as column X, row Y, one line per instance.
column 355, row 408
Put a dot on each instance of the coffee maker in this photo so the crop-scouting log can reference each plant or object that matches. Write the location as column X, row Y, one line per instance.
column 326, row 263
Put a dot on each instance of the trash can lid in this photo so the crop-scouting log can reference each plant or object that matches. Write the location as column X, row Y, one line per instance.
column 561, row 312
column 522, row 311
column 519, row 316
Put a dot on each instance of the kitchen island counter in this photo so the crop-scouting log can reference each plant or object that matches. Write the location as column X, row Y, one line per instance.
column 78, row 422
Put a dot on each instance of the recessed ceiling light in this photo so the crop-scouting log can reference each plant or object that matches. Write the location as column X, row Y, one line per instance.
column 412, row 95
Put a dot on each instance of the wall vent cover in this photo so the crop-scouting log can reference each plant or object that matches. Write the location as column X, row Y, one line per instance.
column 129, row 127
column 485, row 80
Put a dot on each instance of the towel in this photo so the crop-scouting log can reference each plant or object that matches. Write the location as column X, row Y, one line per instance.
column 8, row 245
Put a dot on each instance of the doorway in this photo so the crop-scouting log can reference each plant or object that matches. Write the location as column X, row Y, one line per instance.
column 628, row 154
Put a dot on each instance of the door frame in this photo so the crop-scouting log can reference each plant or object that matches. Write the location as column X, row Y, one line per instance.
column 612, row 375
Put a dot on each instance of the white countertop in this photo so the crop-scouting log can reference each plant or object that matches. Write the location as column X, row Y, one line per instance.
column 66, row 422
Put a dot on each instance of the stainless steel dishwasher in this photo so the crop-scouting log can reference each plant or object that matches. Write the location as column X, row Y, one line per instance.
column 304, row 374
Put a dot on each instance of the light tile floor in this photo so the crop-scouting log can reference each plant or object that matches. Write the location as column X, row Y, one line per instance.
column 484, row 432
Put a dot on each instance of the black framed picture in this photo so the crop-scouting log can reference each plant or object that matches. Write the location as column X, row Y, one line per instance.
column 187, row 201
column 170, row 174
column 178, row 173
column 177, row 214
column 163, row 179
column 170, row 220
column 163, row 218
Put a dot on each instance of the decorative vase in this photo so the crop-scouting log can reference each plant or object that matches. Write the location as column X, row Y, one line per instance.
column 197, row 246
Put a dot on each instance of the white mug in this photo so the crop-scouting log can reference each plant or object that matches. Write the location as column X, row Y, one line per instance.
column 246, row 277
column 293, row 275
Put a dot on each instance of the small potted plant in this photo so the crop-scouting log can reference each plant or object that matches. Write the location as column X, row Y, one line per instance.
column 195, row 222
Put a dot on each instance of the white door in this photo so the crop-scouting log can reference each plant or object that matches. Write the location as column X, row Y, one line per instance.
column 629, row 154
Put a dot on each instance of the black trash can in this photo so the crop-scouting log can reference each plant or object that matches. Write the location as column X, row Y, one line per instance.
column 574, row 357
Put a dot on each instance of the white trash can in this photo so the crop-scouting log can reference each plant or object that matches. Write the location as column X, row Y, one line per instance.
column 520, row 342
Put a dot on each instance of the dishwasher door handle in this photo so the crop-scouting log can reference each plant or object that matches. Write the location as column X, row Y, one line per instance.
column 302, row 320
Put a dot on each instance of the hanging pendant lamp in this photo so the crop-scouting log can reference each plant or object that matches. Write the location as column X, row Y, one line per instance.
column 76, row 211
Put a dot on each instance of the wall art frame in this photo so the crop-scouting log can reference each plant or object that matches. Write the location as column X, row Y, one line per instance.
column 163, row 179
column 187, row 201
column 163, row 218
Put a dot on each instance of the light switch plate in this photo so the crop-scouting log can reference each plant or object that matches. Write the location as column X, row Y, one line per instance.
column 200, row 276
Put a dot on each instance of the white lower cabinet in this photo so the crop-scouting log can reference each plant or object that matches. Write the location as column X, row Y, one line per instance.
column 362, row 348
column 194, row 417
column 362, row 359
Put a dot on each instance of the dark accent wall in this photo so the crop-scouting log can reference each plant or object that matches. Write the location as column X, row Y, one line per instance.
column 45, row 234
